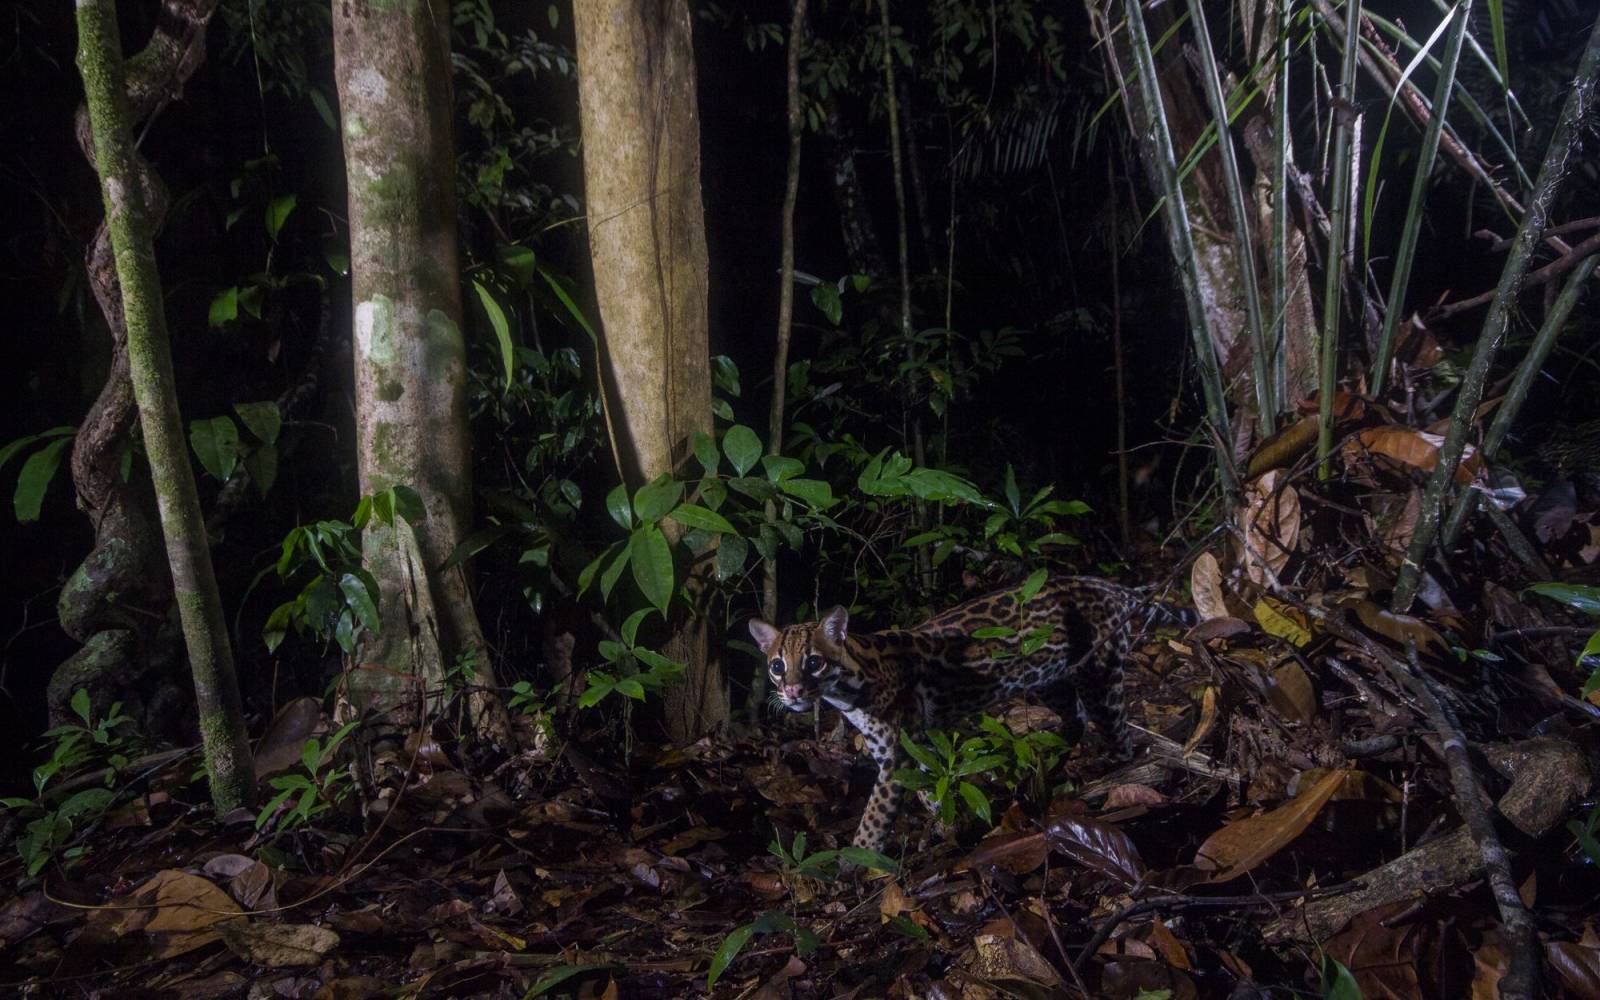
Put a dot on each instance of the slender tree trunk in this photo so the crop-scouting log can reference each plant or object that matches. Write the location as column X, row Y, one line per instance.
column 861, row 245
column 780, row 358
column 120, row 597
column 641, row 170
column 222, row 731
column 392, row 63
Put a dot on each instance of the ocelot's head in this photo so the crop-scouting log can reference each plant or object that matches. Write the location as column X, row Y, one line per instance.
column 803, row 660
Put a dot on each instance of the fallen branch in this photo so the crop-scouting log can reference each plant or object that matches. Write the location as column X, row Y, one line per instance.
column 1544, row 275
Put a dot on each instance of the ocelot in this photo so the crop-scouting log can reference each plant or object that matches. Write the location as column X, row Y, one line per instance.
column 1066, row 645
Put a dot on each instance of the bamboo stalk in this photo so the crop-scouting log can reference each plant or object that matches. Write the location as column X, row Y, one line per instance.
column 1266, row 397
column 1429, row 153
column 1343, row 156
column 1181, row 241
column 1557, row 160
column 1543, row 343
column 1280, row 207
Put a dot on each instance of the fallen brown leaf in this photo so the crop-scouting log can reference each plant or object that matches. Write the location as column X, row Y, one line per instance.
column 1241, row 845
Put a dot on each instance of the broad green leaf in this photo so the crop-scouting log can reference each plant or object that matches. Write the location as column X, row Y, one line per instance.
column 727, row 952
column 1573, row 595
column 1032, row 584
column 976, row 801
column 781, row 467
column 344, row 633
column 618, row 507
column 262, row 465
column 216, row 444
column 224, row 307
column 630, row 628
column 556, row 977
column 731, row 555
column 80, row 705
column 654, row 500
column 319, row 100
column 408, row 504
column 595, row 692
column 1338, row 983
column 571, row 306
column 743, row 448
column 519, row 262
column 826, row 298
column 362, row 600
column 263, row 419
column 726, row 374
column 692, row 516
column 705, row 450
column 613, row 573
column 869, row 859
column 502, row 330
column 657, row 663
column 34, row 480
column 1013, row 497
column 651, row 557
column 474, row 543
column 11, row 450
column 631, row 688
column 278, row 210
column 815, row 493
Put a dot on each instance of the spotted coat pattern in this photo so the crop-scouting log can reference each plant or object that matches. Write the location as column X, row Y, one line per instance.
column 883, row 682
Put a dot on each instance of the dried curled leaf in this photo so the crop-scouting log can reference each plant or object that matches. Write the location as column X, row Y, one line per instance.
column 1243, row 844
column 1269, row 526
column 1205, row 583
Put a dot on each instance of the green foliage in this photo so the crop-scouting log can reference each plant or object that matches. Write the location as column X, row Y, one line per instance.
column 38, row 470
column 1586, row 599
column 1587, row 833
column 821, row 866
column 51, row 819
column 339, row 599
column 636, row 672
column 312, row 790
column 950, row 767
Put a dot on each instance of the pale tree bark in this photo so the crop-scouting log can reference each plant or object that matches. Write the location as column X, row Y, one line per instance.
column 641, row 170
column 392, row 64
column 122, row 186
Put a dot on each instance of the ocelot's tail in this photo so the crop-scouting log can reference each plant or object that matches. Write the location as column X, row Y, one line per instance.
column 1148, row 615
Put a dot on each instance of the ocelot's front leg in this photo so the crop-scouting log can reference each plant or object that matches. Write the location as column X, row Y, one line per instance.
column 877, row 822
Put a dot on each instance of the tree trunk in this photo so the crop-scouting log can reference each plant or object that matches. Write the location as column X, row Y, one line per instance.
column 641, row 169
column 392, row 63
column 222, row 732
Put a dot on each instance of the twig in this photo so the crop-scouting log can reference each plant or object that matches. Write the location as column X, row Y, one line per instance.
column 1176, row 902
column 1555, row 269
column 1521, row 981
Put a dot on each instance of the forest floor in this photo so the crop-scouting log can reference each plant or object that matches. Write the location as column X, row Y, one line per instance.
column 1322, row 804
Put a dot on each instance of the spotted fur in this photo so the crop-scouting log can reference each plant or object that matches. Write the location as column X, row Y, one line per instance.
column 883, row 682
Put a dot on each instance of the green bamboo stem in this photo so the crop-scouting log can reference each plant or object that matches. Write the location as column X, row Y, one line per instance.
column 1543, row 343
column 1406, row 255
column 1266, row 397
column 1557, row 160
column 1343, row 155
column 1181, row 240
column 1280, row 208
column 229, row 762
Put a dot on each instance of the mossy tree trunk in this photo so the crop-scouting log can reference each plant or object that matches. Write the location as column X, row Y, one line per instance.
column 392, row 64
column 122, row 185
column 641, row 169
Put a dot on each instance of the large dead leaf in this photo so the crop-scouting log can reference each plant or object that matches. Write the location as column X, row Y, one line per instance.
column 1401, row 630
column 1291, row 693
column 1241, row 845
column 1205, row 583
column 178, row 911
column 1283, row 621
column 1096, row 844
column 1269, row 526
column 279, row 945
column 1418, row 449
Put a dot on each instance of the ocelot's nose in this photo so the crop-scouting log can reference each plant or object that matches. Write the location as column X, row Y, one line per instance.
column 791, row 692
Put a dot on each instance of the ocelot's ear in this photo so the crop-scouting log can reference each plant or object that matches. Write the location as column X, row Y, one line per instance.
column 836, row 624
column 764, row 635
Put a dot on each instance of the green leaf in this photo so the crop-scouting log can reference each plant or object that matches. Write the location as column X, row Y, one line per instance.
column 918, row 752
column 1032, row 585
column 1013, row 497
column 344, row 633
column 781, row 467
column 216, row 444
column 726, row 374
column 618, row 507
column 613, row 573
column 692, row 516
column 976, row 801
column 262, row 419
column 519, row 262
column 630, row 628
column 631, row 688
column 727, row 952
column 1337, row 981
column 595, row 692
column 994, row 632
column 705, row 450
column 654, row 500
column 34, row 480
column 320, row 101
column 743, row 447
column 224, row 307
column 561, row 974
column 80, row 705
column 826, row 298
column 815, row 493
column 658, row 664
column 408, row 503
column 1573, row 595
column 474, row 543
column 867, row 858
column 502, row 330
column 572, row 307
column 652, row 565
column 278, row 210
column 362, row 599
column 11, row 450
column 732, row 553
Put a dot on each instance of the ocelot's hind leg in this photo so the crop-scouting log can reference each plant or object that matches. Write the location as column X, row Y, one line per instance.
column 1103, row 695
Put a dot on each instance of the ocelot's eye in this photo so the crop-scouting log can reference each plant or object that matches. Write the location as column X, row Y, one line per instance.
column 814, row 664
column 776, row 667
